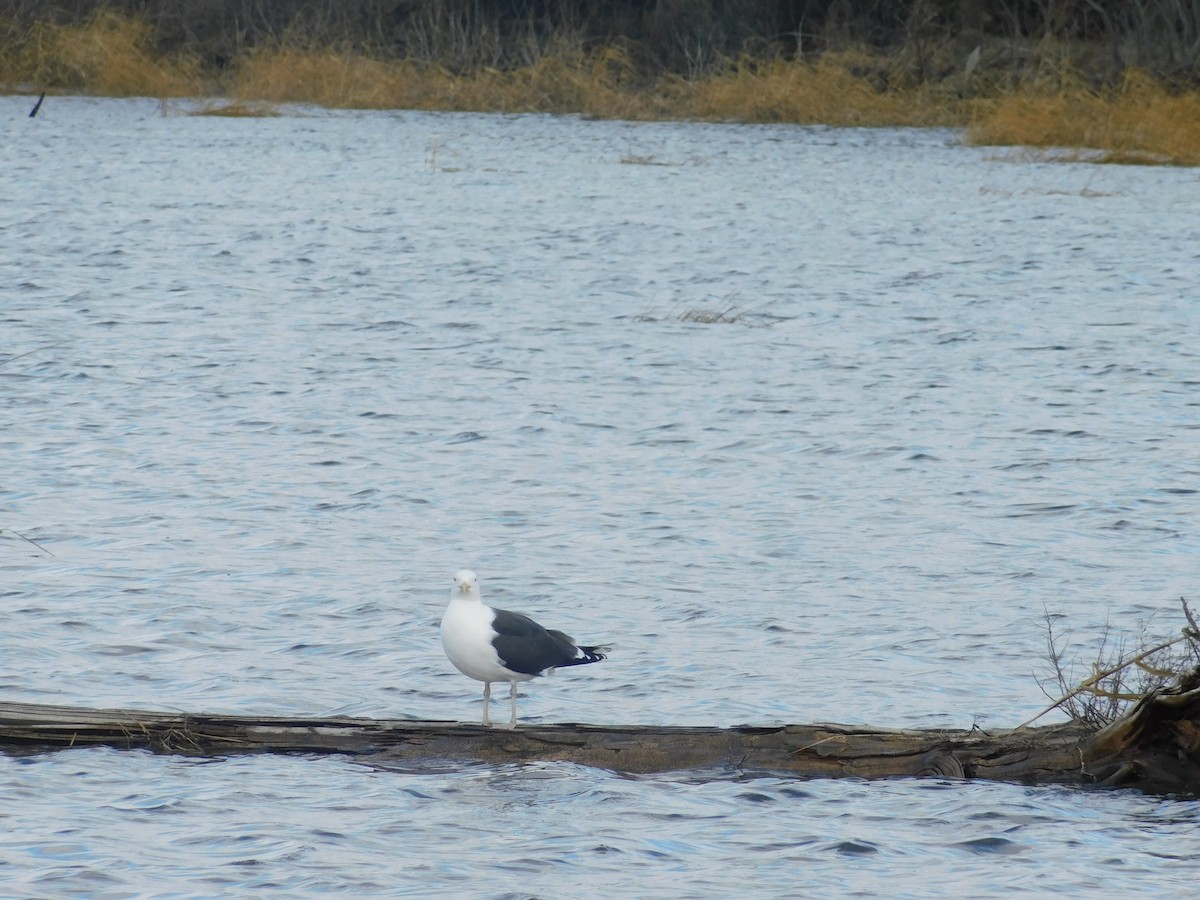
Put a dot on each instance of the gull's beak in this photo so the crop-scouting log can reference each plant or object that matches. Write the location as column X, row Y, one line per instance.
column 464, row 587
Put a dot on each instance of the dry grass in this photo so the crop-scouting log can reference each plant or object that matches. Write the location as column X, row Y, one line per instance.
column 108, row 54
column 601, row 85
column 588, row 85
column 839, row 89
column 1140, row 121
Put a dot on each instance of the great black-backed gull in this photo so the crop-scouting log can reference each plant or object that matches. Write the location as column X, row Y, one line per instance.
column 497, row 645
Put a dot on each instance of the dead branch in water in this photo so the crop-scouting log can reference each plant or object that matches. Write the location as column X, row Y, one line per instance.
column 1154, row 748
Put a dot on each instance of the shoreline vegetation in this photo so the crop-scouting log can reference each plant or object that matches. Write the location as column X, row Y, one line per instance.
column 1098, row 80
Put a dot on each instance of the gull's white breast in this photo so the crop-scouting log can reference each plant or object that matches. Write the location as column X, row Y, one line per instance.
column 467, row 636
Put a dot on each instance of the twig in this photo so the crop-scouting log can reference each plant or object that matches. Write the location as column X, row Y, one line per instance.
column 813, row 744
column 1113, row 695
column 28, row 352
column 30, row 540
column 1191, row 619
column 1087, row 683
column 1162, row 674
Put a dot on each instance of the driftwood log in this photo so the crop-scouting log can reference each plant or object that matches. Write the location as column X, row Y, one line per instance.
column 1155, row 747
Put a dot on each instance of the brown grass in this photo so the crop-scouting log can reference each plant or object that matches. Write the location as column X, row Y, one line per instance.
column 108, row 54
column 839, row 89
column 1140, row 121
column 589, row 85
column 602, row 85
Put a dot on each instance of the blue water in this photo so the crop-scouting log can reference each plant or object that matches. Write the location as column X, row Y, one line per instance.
column 812, row 424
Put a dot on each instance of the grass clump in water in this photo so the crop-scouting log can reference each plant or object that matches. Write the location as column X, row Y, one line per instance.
column 237, row 109
column 729, row 314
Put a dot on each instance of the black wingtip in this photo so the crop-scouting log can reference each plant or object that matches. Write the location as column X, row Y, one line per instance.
column 590, row 655
column 33, row 112
column 594, row 654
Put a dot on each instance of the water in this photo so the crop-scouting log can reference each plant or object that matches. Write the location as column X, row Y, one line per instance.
column 284, row 376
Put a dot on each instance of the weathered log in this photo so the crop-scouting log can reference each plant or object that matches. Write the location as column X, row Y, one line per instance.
column 1155, row 747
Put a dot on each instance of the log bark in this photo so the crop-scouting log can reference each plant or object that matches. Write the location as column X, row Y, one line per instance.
column 1155, row 747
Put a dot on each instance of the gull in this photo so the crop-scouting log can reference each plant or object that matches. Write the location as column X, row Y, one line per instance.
column 490, row 644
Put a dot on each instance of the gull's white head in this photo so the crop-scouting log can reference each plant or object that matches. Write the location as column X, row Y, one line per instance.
column 465, row 584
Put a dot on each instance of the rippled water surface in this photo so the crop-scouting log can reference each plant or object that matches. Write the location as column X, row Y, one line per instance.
column 812, row 424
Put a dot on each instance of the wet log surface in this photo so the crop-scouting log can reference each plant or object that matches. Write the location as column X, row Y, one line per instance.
column 1155, row 747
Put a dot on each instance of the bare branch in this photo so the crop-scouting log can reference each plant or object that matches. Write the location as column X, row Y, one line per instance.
column 1088, row 683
